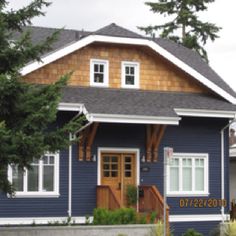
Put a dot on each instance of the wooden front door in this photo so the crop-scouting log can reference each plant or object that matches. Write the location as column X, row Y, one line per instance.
column 117, row 171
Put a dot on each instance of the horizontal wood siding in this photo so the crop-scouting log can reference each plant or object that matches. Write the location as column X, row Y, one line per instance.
column 202, row 227
column 156, row 73
column 193, row 135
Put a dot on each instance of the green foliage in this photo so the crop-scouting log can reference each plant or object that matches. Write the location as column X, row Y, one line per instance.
column 192, row 232
column 153, row 217
column 157, row 230
column 116, row 217
column 229, row 229
column 28, row 112
column 142, row 218
column 131, row 194
column 183, row 16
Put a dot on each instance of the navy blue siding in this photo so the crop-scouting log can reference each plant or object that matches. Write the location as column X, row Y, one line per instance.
column 204, row 228
column 39, row 207
column 192, row 135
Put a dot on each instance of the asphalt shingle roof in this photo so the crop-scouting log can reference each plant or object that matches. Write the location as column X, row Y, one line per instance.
column 143, row 103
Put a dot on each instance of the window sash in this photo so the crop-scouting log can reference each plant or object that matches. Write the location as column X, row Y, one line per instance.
column 130, row 74
column 40, row 190
column 193, row 187
column 99, row 69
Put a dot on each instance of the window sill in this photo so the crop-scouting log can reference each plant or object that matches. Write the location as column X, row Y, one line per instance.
column 130, row 87
column 188, row 194
column 35, row 195
column 99, row 85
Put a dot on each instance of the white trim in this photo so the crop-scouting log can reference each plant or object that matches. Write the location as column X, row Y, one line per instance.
column 118, row 150
column 82, row 219
column 134, row 41
column 205, row 113
column 105, row 63
column 136, row 74
column 63, row 106
column 133, row 119
column 42, row 220
column 192, row 193
column 196, row 218
column 38, row 194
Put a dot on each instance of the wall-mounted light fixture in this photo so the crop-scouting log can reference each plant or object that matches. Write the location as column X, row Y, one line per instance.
column 94, row 158
column 143, row 158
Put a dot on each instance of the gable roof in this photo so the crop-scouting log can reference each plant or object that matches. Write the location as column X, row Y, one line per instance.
column 185, row 59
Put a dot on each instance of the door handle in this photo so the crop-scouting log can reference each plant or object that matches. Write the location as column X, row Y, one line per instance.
column 119, row 185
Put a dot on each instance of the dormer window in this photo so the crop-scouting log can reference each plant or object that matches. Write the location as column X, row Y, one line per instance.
column 99, row 72
column 130, row 74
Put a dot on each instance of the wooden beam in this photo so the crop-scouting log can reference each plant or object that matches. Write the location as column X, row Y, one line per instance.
column 159, row 134
column 90, row 140
column 82, row 139
column 151, row 135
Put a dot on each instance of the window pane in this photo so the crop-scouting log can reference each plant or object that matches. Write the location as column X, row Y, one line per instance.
column 17, row 178
column 101, row 68
column 174, row 179
column 132, row 70
column 187, row 179
column 96, row 68
column 33, row 178
column 48, row 178
column 98, row 78
column 126, row 70
column 129, row 79
column 199, row 179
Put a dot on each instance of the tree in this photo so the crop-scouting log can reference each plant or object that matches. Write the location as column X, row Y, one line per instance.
column 28, row 113
column 184, row 25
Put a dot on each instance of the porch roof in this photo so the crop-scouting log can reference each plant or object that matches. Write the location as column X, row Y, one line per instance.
column 127, row 102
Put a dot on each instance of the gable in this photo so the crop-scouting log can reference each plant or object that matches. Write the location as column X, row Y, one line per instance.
column 185, row 59
column 156, row 73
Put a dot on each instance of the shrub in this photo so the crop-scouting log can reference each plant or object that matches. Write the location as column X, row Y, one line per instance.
column 192, row 232
column 131, row 194
column 157, row 230
column 120, row 216
column 153, row 217
column 229, row 229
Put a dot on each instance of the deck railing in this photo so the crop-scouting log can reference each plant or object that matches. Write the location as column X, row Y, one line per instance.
column 151, row 200
column 106, row 198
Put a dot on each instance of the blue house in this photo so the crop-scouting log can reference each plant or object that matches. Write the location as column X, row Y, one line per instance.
column 138, row 95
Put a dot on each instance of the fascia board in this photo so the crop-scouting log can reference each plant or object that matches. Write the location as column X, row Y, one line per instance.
column 205, row 113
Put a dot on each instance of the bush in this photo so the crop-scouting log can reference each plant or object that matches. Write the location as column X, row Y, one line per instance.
column 131, row 194
column 120, row 216
column 157, row 230
column 191, row 232
column 229, row 228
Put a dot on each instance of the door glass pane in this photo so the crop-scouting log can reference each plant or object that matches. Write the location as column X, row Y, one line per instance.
column 33, row 178
column 128, row 173
column 106, row 166
column 114, row 159
column 114, row 166
column 127, row 159
column 127, row 166
column 106, row 159
column 106, row 173
column 17, row 178
column 48, row 178
column 114, row 174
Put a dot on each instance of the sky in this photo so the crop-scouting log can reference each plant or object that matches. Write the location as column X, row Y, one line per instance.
column 94, row 14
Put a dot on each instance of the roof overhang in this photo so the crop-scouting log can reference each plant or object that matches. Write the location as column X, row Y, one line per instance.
column 206, row 113
column 133, row 41
column 118, row 118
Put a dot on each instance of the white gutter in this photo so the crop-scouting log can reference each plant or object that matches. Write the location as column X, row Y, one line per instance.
column 223, row 168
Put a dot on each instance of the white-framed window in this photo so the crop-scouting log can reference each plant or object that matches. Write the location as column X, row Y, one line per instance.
column 41, row 180
column 129, row 74
column 99, row 72
column 187, row 174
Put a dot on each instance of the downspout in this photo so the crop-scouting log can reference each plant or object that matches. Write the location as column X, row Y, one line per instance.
column 223, row 168
column 71, row 138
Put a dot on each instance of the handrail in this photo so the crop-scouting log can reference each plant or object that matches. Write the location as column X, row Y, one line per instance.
column 106, row 198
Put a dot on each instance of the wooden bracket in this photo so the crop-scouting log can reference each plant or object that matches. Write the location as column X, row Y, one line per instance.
column 90, row 140
column 151, row 135
column 159, row 136
column 82, row 139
